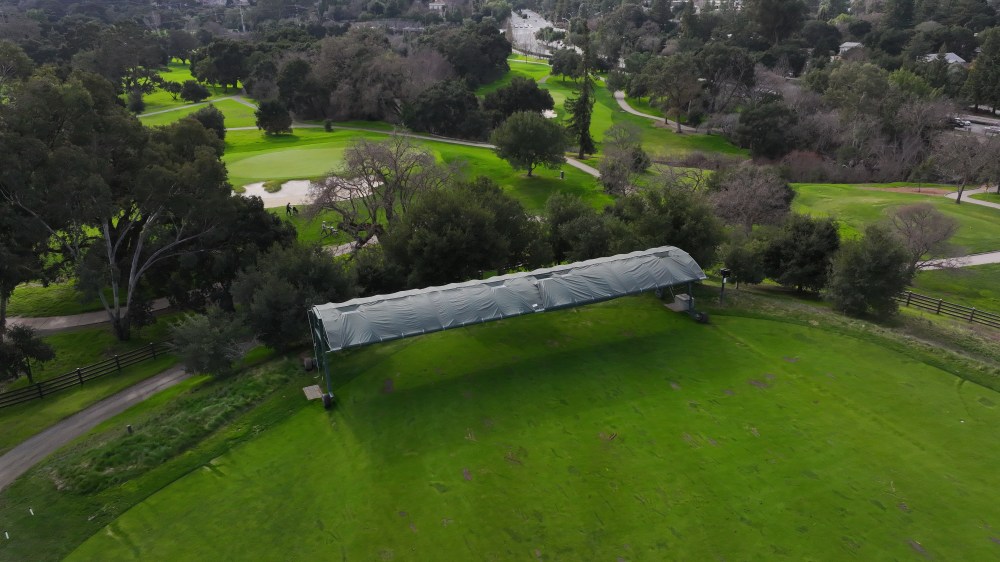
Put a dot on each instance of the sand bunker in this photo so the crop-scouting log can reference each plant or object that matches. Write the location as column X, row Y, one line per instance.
column 295, row 192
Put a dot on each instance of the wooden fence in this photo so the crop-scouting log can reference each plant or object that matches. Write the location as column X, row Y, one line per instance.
column 81, row 375
column 938, row 306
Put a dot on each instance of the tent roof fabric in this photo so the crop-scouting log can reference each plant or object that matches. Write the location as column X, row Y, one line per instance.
column 382, row 318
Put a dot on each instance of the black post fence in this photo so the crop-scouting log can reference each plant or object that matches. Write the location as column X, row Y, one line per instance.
column 81, row 375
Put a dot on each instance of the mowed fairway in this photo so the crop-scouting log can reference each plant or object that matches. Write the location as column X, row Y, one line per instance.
column 310, row 153
column 856, row 206
column 615, row 431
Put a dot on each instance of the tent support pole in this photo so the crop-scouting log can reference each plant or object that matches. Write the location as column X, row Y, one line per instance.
column 690, row 297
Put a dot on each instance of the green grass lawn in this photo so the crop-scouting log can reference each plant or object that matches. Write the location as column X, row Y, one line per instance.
column 237, row 114
column 517, row 68
column 619, row 430
column 58, row 299
column 854, row 207
column 991, row 197
column 178, row 72
column 252, row 157
column 642, row 104
column 968, row 286
column 86, row 346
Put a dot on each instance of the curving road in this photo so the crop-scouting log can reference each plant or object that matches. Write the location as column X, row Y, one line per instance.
column 21, row 458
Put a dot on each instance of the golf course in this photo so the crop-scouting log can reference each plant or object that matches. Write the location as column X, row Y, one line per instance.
column 615, row 431
column 774, row 428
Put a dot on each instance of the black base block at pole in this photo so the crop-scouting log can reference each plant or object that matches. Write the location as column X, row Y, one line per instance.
column 327, row 401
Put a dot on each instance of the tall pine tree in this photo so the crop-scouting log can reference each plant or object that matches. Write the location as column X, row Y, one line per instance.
column 582, row 106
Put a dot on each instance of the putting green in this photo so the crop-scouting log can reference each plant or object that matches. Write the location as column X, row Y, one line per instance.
column 291, row 163
column 615, row 431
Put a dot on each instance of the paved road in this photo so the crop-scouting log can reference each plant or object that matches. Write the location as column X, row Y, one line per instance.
column 180, row 107
column 970, row 200
column 21, row 458
column 620, row 98
column 964, row 261
column 52, row 324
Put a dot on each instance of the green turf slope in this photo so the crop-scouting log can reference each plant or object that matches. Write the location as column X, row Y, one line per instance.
column 616, row 431
column 855, row 206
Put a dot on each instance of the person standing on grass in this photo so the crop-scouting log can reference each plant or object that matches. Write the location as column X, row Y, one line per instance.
column 288, row 209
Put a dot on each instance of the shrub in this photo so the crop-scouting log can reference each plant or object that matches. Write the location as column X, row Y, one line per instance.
column 210, row 343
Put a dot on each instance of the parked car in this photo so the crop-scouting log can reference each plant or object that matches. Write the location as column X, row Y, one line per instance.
column 992, row 130
column 960, row 123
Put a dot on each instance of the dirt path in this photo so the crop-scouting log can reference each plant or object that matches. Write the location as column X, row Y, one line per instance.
column 965, row 261
column 180, row 107
column 52, row 324
column 620, row 98
column 21, row 458
column 966, row 198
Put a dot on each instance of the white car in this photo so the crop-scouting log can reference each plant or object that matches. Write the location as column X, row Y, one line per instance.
column 992, row 130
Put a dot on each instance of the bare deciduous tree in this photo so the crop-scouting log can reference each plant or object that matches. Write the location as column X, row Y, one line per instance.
column 923, row 230
column 965, row 159
column 378, row 181
column 750, row 195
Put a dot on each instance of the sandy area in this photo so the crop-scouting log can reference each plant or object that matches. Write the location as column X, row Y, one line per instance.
column 295, row 192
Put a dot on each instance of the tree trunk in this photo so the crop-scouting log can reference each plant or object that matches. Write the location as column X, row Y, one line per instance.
column 122, row 327
column 3, row 317
column 958, row 198
column 530, row 168
column 678, row 121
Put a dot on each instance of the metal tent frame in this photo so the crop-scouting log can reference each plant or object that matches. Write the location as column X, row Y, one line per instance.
column 381, row 318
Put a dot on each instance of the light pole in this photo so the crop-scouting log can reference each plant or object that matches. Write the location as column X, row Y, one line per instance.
column 725, row 277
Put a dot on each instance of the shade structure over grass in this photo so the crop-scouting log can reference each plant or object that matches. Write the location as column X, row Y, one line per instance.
column 381, row 318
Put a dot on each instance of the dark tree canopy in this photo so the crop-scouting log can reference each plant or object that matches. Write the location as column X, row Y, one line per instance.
column 273, row 118
column 869, row 273
column 668, row 214
column 273, row 295
column 776, row 20
column 212, row 119
column 522, row 94
column 767, row 130
column 19, row 346
column 449, row 109
column 193, row 92
column 454, row 234
column 477, row 51
column 800, row 252
column 527, row 140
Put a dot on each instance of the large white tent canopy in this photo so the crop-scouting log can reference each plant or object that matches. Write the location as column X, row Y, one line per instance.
column 382, row 318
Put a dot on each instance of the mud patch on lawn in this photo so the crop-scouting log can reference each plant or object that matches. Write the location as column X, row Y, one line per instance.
column 388, row 386
column 466, row 474
column 609, row 436
column 674, row 385
column 919, row 548
column 759, row 384
column 791, row 359
column 729, row 392
column 995, row 540
column 903, row 507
